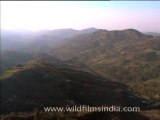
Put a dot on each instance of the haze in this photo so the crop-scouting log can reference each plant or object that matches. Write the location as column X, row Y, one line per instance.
column 110, row 15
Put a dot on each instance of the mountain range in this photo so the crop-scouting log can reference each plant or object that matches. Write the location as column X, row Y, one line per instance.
column 90, row 66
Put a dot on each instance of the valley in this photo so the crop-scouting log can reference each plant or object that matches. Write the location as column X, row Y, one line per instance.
column 74, row 67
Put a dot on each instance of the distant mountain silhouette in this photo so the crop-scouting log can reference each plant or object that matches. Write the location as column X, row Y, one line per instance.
column 153, row 33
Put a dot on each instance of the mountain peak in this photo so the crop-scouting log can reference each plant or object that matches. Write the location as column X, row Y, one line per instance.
column 132, row 31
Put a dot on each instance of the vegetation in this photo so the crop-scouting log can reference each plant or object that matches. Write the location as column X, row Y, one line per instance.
column 127, row 56
column 67, row 67
column 39, row 83
column 74, row 116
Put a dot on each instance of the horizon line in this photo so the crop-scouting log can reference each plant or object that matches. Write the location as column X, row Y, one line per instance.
column 45, row 29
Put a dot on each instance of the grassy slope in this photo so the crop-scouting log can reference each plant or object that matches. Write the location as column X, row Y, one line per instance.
column 37, row 84
column 126, row 56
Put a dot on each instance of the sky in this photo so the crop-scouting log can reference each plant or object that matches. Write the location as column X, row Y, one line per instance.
column 111, row 15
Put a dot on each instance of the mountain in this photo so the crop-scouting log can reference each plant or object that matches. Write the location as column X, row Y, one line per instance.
column 73, row 67
column 88, row 30
column 29, row 87
column 13, row 40
column 49, row 39
column 39, row 83
column 153, row 33
column 21, row 46
column 128, row 56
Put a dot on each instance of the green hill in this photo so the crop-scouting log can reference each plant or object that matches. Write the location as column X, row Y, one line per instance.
column 93, row 67
column 127, row 56
column 38, row 84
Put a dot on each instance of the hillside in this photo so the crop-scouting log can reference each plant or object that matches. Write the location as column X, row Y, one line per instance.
column 27, row 40
column 18, row 47
column 127, row 56
column 153, row 33
column 75, row 116
column 90, row 66
column 38, row 84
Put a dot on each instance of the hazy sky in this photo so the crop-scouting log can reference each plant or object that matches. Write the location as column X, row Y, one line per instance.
column 111, row 15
